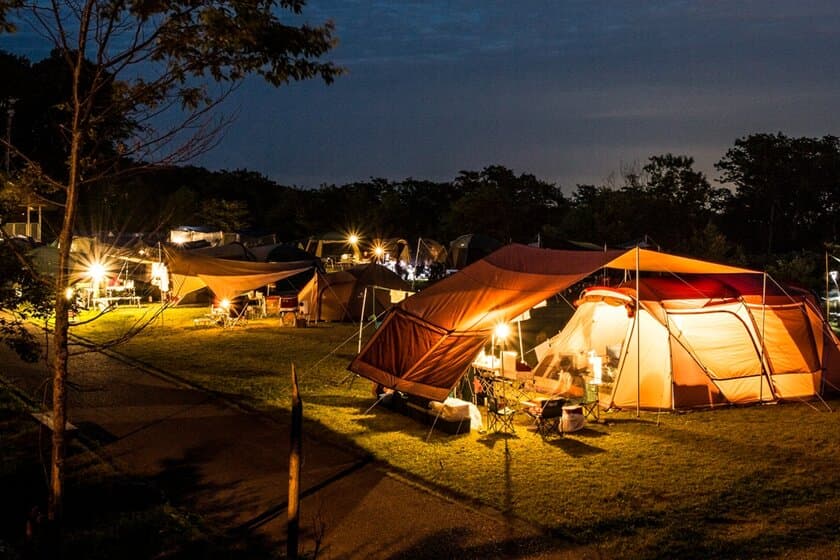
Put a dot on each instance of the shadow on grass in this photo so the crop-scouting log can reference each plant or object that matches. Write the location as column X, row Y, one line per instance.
column 107, row 514
column 452, row 544
column 625, row 422
column 357, row 403
column 572, row 445
column 491, row 439
column 729, row 524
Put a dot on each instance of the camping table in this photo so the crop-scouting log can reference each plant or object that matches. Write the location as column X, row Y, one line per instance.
column 485, row 378
column 104, row 302
column 492, row 384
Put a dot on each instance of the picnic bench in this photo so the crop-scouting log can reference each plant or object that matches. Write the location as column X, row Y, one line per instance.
column 108, row 301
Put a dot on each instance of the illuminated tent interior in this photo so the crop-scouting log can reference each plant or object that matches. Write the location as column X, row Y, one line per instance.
column 427, row 343
column 696, row 341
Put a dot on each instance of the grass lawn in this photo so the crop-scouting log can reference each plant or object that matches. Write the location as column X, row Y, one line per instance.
column 754, row 482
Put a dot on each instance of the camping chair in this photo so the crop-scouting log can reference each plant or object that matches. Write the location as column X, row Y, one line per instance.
column 219, row 316
column 238, row 313
column 547, row 415
column 590, row 403
column 499, row 415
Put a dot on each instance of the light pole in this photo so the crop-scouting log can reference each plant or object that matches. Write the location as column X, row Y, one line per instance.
column 353, row 241
column 502, row 331
column 10, row 112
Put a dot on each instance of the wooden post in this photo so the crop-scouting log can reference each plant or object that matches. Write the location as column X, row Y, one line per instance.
column 295, row 445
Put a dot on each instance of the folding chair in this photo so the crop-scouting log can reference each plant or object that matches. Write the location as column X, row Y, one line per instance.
column 590, row 402
column 547, row 416
column 499, row 415
column 238, row 317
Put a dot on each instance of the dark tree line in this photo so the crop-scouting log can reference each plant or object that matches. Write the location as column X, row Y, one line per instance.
column 774, row 204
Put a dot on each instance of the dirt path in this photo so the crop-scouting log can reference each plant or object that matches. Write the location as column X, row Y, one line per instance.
column 229, row 464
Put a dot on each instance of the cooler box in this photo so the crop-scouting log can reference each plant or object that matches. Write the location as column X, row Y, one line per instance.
column 272, row 305
column 288, row 303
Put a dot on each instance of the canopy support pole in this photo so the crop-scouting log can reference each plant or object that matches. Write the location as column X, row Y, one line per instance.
column 638, row 340
column 761, row 348
column 827, row 299
column 416, row 258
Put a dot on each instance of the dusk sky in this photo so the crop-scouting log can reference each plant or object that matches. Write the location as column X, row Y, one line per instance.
column 570, row 91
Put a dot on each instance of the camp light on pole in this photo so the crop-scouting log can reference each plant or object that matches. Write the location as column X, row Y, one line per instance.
column 502, row 331
column 225, row 303
column 353, row 239
column 96, row 271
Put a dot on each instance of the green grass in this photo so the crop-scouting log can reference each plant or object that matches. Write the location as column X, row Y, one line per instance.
column 754, row 482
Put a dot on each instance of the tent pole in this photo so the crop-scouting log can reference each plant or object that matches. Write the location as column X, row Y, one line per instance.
column 604, row 269
column 763, row 321
column 638, row 341
column 827, row 300
column 362, row 320
column 416, row 258
column 521, row 348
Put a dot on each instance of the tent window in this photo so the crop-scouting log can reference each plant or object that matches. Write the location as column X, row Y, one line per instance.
column 788, row 341
column 720, row 341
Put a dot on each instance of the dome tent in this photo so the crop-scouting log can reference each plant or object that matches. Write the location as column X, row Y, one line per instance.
column 695, row 342
column 340, row 296
column 469, row 248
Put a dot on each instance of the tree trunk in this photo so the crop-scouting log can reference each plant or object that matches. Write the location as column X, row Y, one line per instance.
column 60, row 366
column 62, row 324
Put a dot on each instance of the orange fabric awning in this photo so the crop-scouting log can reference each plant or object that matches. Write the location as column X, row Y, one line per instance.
column 227, row 278
column 652, row 261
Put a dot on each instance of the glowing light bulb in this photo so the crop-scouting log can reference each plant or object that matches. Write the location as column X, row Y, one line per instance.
column 96, row 271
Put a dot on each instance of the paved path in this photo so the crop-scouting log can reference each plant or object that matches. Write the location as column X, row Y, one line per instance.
column 230, row 465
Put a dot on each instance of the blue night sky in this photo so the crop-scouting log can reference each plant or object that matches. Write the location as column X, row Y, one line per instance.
column 571, row 91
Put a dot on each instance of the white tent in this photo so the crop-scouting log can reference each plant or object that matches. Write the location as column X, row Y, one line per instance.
column 696, row 342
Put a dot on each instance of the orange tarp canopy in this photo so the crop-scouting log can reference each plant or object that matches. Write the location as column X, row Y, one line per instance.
column 226, row 278
column 652, row 261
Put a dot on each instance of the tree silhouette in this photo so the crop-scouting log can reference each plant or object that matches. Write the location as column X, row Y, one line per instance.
column 139, row 82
